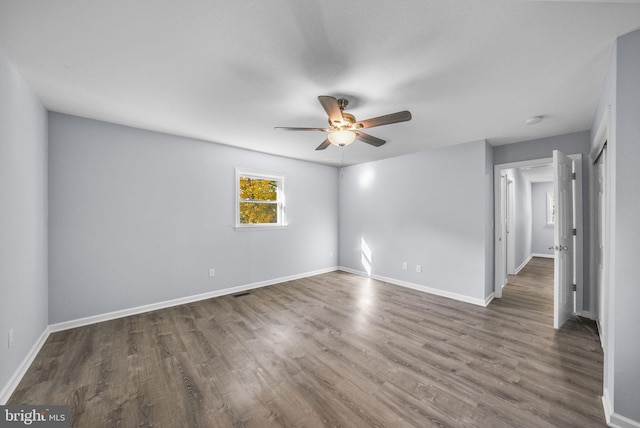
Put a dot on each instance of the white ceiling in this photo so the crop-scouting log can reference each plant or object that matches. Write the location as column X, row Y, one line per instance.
column 228, row 72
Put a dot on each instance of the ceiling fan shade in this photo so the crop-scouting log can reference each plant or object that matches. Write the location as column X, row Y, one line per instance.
column 342, row 138
column 344, row 129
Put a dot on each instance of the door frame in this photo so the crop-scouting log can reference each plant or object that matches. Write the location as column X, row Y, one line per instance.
column 498, row 171
column 500, row 231
column 510, row 226
column 599, row 144
column 606, row 329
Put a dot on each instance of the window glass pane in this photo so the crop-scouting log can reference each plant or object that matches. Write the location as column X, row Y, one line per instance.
column 258, row 189
column 256, row 213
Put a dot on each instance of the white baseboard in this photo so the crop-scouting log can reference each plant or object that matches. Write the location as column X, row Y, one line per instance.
column 547, row 256
column 528, row 259
column 423, row 288
column 618, row 421
column 614, row 420
column 519, row 268
column 601, row 336
column 13, row 382
column 66, row 325
column 586, row 314
column 489, row 299
column 8, row 389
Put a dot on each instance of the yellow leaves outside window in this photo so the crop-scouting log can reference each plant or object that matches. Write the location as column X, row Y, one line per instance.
column 258, row 200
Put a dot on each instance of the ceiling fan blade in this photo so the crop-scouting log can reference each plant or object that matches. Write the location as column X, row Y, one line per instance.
column 370, row 139
column 330, row 105
column 326, row 143
column 293, row 128
column 401, row 116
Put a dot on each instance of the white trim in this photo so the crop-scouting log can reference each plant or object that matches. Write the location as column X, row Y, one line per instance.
column 551, row 208
column 587, row 314
column 600, row 335
column 65, row 325
column 579, row 238
column 547, row 256
column 519, row 268
column 602, row 135
column 510, row 225
column 606, row 406
column 489, row 299
column 614, row 420
column 246, row 227
column 619, row 421
column 423, row 288
column 500, row 249
column 13, row 382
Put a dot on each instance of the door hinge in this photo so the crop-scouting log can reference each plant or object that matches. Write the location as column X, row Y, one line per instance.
column 575, row 232
column 573, row 175
column 574, row 287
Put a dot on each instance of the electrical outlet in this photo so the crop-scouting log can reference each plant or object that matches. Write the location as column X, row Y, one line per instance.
column 212, row 273
column 404, row 265
column 418, row 268
column 10, row 337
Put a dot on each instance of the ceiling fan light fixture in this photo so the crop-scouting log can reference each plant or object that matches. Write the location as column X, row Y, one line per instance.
column 342, row 138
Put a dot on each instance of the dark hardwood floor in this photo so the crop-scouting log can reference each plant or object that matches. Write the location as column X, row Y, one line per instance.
column 333, row 350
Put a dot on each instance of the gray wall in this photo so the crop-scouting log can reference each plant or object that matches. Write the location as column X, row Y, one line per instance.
column 429, row 208
column 541, row 234
column 622, row 91
column 138, row 217
column 627, row 229
column 579, row 142
column 23, row 220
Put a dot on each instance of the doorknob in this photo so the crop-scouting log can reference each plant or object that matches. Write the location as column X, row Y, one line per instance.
column 552, row 248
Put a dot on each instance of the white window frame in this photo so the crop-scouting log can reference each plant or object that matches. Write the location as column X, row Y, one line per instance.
column 551, row 221
column 280, row 200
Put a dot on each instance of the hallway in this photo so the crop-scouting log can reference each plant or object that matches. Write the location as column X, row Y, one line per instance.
column 532, row 287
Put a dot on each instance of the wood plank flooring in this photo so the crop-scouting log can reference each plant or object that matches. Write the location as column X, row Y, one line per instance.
column 334, row 350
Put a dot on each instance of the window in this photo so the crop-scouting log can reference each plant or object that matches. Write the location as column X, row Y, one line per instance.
column 260, row 200
column 551, row 209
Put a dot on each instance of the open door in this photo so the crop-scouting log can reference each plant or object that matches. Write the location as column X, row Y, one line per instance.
column 563, row 239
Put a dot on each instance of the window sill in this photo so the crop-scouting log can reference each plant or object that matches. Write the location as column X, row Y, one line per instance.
column 245, row 228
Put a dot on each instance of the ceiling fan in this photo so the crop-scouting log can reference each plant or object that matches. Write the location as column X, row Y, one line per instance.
column 343, row 128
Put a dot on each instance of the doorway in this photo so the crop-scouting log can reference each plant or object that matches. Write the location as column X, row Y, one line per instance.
column 506, row 231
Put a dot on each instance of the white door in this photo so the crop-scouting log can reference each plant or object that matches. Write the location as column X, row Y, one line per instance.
column 563, row 239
